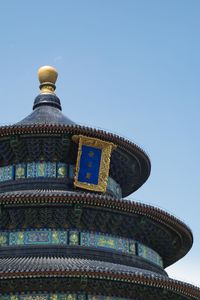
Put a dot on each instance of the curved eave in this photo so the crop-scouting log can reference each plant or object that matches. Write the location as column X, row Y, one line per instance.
column 78, row 268
column 106, row 202
column 122, row 143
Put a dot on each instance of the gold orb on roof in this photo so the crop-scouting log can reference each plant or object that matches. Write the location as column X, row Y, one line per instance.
column 47, row 74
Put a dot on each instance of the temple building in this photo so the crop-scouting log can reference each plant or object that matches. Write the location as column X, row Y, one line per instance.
column 66, row 231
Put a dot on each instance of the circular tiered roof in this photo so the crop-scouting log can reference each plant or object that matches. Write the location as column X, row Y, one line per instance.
column 55, row 237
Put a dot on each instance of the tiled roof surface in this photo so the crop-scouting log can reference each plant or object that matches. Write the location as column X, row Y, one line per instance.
column 29, row 267
column 53, row 263
column 94, row 199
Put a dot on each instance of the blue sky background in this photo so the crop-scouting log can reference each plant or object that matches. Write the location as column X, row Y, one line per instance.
column 130, row 67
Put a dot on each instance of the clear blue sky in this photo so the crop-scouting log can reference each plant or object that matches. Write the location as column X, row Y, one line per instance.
column 131, row 67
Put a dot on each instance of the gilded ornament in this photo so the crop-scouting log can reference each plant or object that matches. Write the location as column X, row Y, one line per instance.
column 71, row 297
column 20, row 237
column 3, row 239
column 20, row 172
column 106, row 242
column 41, row 169
column 13, row 297
column 55, row 237
column 74, row 238
column 61, row 172
column 106, row 149
column 47, row 76
column 54, row 297
column 132, row 248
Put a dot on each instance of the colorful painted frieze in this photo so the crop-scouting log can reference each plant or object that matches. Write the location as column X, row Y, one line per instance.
column 20, row 171
column 74, row 237
column 61, row 170
column 6, row 173
column 38, row 237
column 46, row 169
column 104, row 241
column 58, row 296
column 149, row 254
column 78, row 238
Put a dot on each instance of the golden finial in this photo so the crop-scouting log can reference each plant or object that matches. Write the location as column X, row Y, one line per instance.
column 47, row 76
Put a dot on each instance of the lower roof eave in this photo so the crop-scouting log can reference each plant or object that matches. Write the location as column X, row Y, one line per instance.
column 176, row 287
column 94, row 200
column 60, row 267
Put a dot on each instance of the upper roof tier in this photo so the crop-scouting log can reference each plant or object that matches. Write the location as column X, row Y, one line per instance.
column 46, row 136
column 47, row 107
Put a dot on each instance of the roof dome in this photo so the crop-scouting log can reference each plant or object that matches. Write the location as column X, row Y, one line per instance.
column 47, row 107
